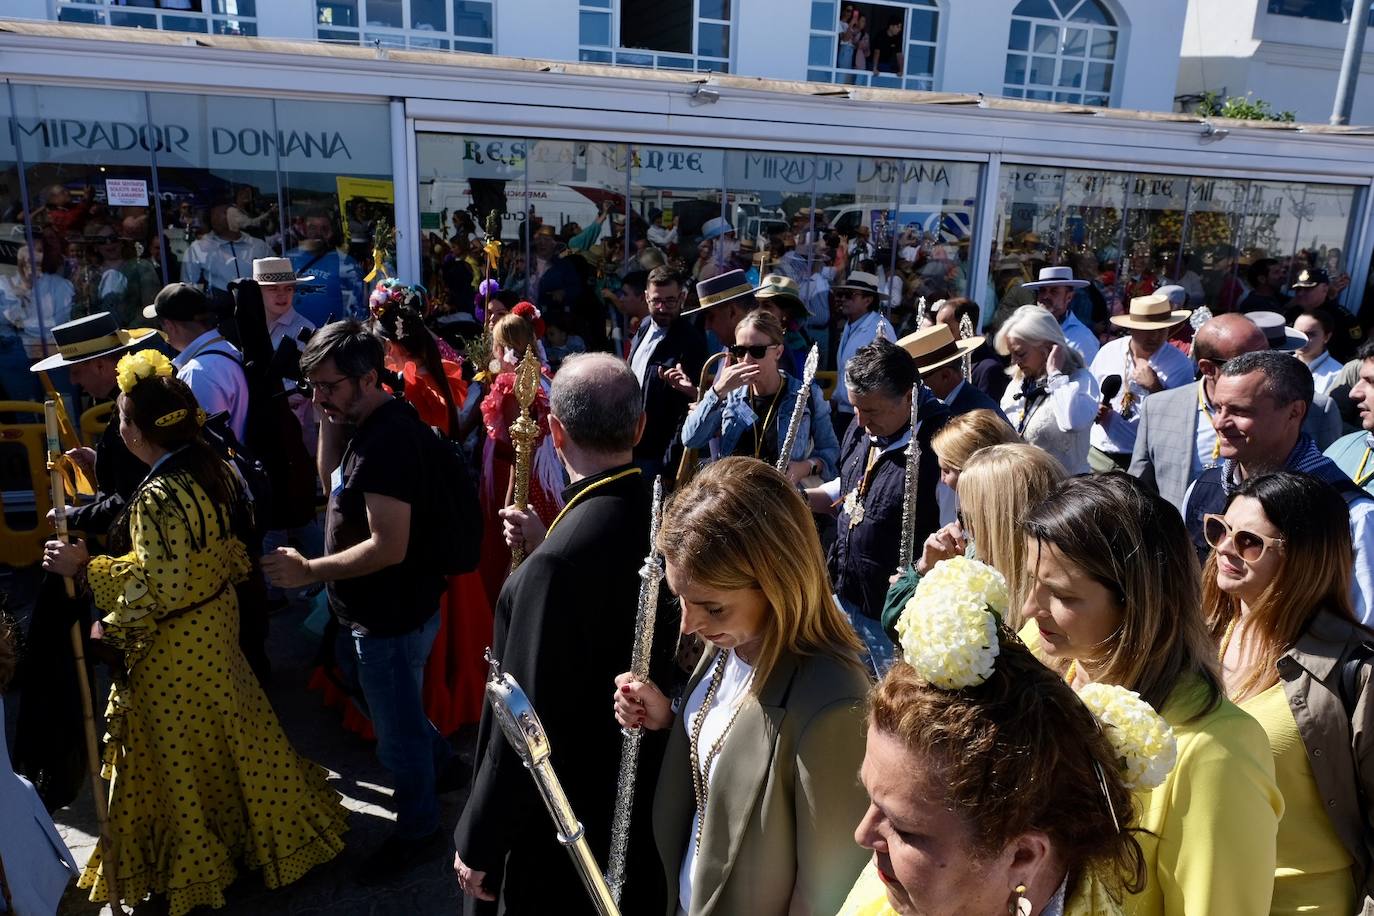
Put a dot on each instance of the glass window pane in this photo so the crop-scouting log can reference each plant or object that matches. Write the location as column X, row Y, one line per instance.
column 934, row 228
column 384, row 14
column 337, row 36
column 426, row 43
column 1027, row 235
column 715, row 9
column 133, row 20
column 1013, row 93
column 819, row 76
column 235, row 7
column 920, row 60
column 1020, row 35
column 1076, row 42
column 1071, row 73
column 1039, row 95
column 1046, row 39
column 235, row 27
column 428, row 15
column 677, row 63
column 337, row 13
column 184, row 24
column 594, row 57
column 1016, row 68
column 819, row 51
column 88, row 17
column 657, row 25
column 1039, row 9
column 472, row 18
column 1104, row 44
column 384, row 39
column 633, row 59
column 823, row 16
column 1092, row 11
column 1216, row 211
column 1154, row 230
column 594, row 28
column 1042, row 71
column 1100, row 100
column 1069, row 97
column 713, row 40
column 603, row 4
column 925, row 25
column 1100, row 77
column 475, row 47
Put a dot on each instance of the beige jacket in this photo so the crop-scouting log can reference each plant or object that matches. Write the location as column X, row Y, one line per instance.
column 778, row 839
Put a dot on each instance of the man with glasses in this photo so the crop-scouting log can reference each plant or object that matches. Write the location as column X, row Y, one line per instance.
column 665, row 343
column 1259, row 401
column 373, row 449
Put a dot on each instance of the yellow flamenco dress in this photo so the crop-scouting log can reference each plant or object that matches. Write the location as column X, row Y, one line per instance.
column 869, row 898
column 202, row 776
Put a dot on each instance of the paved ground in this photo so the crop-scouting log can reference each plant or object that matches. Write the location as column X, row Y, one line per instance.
column 428, row 887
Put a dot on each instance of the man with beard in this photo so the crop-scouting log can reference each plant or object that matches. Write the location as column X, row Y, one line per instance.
column 666, row 342
column 336, row 290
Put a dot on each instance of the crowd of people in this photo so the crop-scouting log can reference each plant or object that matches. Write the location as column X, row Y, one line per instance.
column 1124, row 671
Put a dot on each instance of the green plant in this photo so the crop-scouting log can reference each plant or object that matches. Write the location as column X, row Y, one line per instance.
column 1241, row 107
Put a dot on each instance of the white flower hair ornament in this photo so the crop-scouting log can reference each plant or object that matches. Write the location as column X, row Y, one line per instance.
column 1141, row 738
column 948, row 630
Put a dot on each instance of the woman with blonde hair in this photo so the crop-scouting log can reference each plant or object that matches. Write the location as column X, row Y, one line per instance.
column 960, row 438
column 1276, row 593
column 997, row 488
column 1114, row 599
column 756, row 793
column 1052, row 400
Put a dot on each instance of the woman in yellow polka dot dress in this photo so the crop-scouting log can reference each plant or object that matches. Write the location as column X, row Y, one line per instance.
column 202, row 776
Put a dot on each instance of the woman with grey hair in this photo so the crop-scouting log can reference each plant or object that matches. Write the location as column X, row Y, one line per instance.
column 1052, row 399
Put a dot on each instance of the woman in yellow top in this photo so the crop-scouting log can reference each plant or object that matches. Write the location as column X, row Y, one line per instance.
column 992, row 788
column 202, row 777
column 1116, row 599
column 1276, row 591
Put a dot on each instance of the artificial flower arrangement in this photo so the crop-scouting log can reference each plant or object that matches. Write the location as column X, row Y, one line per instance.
column 133, row 368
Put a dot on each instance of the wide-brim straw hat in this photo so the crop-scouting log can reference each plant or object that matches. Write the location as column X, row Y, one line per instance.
column 1154, row 312
column 276, row 272
column 785, row 291
column 861, row 282
column 936, row 346
column 90, row 338
column 1055, row 276
column 720, row 289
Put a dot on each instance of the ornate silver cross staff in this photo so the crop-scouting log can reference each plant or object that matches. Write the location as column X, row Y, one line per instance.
column 907, row 550
column 813, row 359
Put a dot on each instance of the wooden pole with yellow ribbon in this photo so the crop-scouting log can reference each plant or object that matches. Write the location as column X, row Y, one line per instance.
column 109, row 863
column 523, row 434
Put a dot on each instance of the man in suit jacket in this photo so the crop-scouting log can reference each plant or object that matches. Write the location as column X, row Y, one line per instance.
column 666, row 342
column 939, row 360
column 564, row 626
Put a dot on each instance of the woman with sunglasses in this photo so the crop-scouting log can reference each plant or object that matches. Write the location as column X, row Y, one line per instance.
column 1276, row 593
column 1114, row 599
column 749, row 406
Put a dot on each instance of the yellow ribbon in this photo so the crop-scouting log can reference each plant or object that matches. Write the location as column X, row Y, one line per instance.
column 493, row 250
column 378, row 265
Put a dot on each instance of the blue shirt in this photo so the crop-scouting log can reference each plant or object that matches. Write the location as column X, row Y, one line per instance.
column 335, row 293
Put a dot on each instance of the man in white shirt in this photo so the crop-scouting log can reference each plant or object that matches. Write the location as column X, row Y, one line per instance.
column 277, row 279
column 1145, row 364
column 858, row 299
column 222, row 256
column 210, row 365
column 1054, row 290
column 1318, row 324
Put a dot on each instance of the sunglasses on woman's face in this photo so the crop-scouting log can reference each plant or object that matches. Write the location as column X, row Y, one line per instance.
column 758, row 351
column 1247, row 545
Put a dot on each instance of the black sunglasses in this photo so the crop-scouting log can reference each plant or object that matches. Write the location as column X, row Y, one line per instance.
column 758, row 351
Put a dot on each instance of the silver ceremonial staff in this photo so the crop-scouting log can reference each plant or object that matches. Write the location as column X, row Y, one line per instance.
column 813, row 359
column 650, row 575
column 907, row 552
column 526, row 735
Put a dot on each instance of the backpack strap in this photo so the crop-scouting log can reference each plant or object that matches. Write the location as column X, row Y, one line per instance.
column 238, row 361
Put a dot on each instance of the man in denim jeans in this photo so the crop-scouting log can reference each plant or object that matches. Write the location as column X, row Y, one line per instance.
column 372, row 458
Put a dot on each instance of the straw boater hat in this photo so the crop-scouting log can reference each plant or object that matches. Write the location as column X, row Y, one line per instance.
column 1151, row 313
column 90, row 338
column 720, row 289
column 1055, row 276
column 1277, row 332
column 785, row 290
column 935, row 346
column 275, row 272
column 863, row 283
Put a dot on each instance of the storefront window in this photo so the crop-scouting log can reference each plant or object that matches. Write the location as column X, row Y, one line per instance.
column 874, row 44
column 679, row 191
column 459, row 25
column 935, row 223
column 221, row 17
column 662, row 34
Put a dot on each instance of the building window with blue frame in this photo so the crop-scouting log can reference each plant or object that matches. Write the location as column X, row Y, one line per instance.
column 217, row 17
column 661, row 34
column 890, row 45
column 1061, row 51
column 436, row 25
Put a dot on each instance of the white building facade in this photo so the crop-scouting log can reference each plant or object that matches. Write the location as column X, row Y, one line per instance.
column 1094, row 52
column 1286, row 52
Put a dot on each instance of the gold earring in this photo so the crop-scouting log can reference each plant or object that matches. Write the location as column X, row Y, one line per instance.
column 1022, row 905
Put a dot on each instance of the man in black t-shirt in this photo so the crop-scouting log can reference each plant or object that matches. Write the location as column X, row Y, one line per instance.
column 373, row 459
column 887, row 50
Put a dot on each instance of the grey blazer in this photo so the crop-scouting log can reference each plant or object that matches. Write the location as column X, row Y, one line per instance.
column 1167, row 438
column 779, row 833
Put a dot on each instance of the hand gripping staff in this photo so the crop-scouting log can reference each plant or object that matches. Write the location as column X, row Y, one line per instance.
column 650, row 576
column 813, row 360
column 526, row 735
column 523, row 433
column 907, row 551
column 109, row 862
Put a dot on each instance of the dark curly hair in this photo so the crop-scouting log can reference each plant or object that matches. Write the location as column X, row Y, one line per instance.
column 1019, row 752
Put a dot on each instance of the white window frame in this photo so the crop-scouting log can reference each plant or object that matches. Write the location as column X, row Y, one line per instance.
column 1079, row 95
column 851, row 77
column 103, row 8
column 655, row 60
column 407, row 36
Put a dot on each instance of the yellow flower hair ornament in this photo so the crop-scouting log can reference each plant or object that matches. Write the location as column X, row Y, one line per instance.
column 1141, row 738
column 948, row 630
column 136, row 367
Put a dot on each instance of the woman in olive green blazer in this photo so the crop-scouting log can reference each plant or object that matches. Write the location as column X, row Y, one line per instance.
column 769, row 828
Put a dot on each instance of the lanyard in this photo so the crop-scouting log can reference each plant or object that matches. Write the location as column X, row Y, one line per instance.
column 768, row 421
column 581, row 493
column 1206, row 408
column 1361, row 478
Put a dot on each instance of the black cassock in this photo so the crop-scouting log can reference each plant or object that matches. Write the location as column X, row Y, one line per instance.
column 564, row 628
